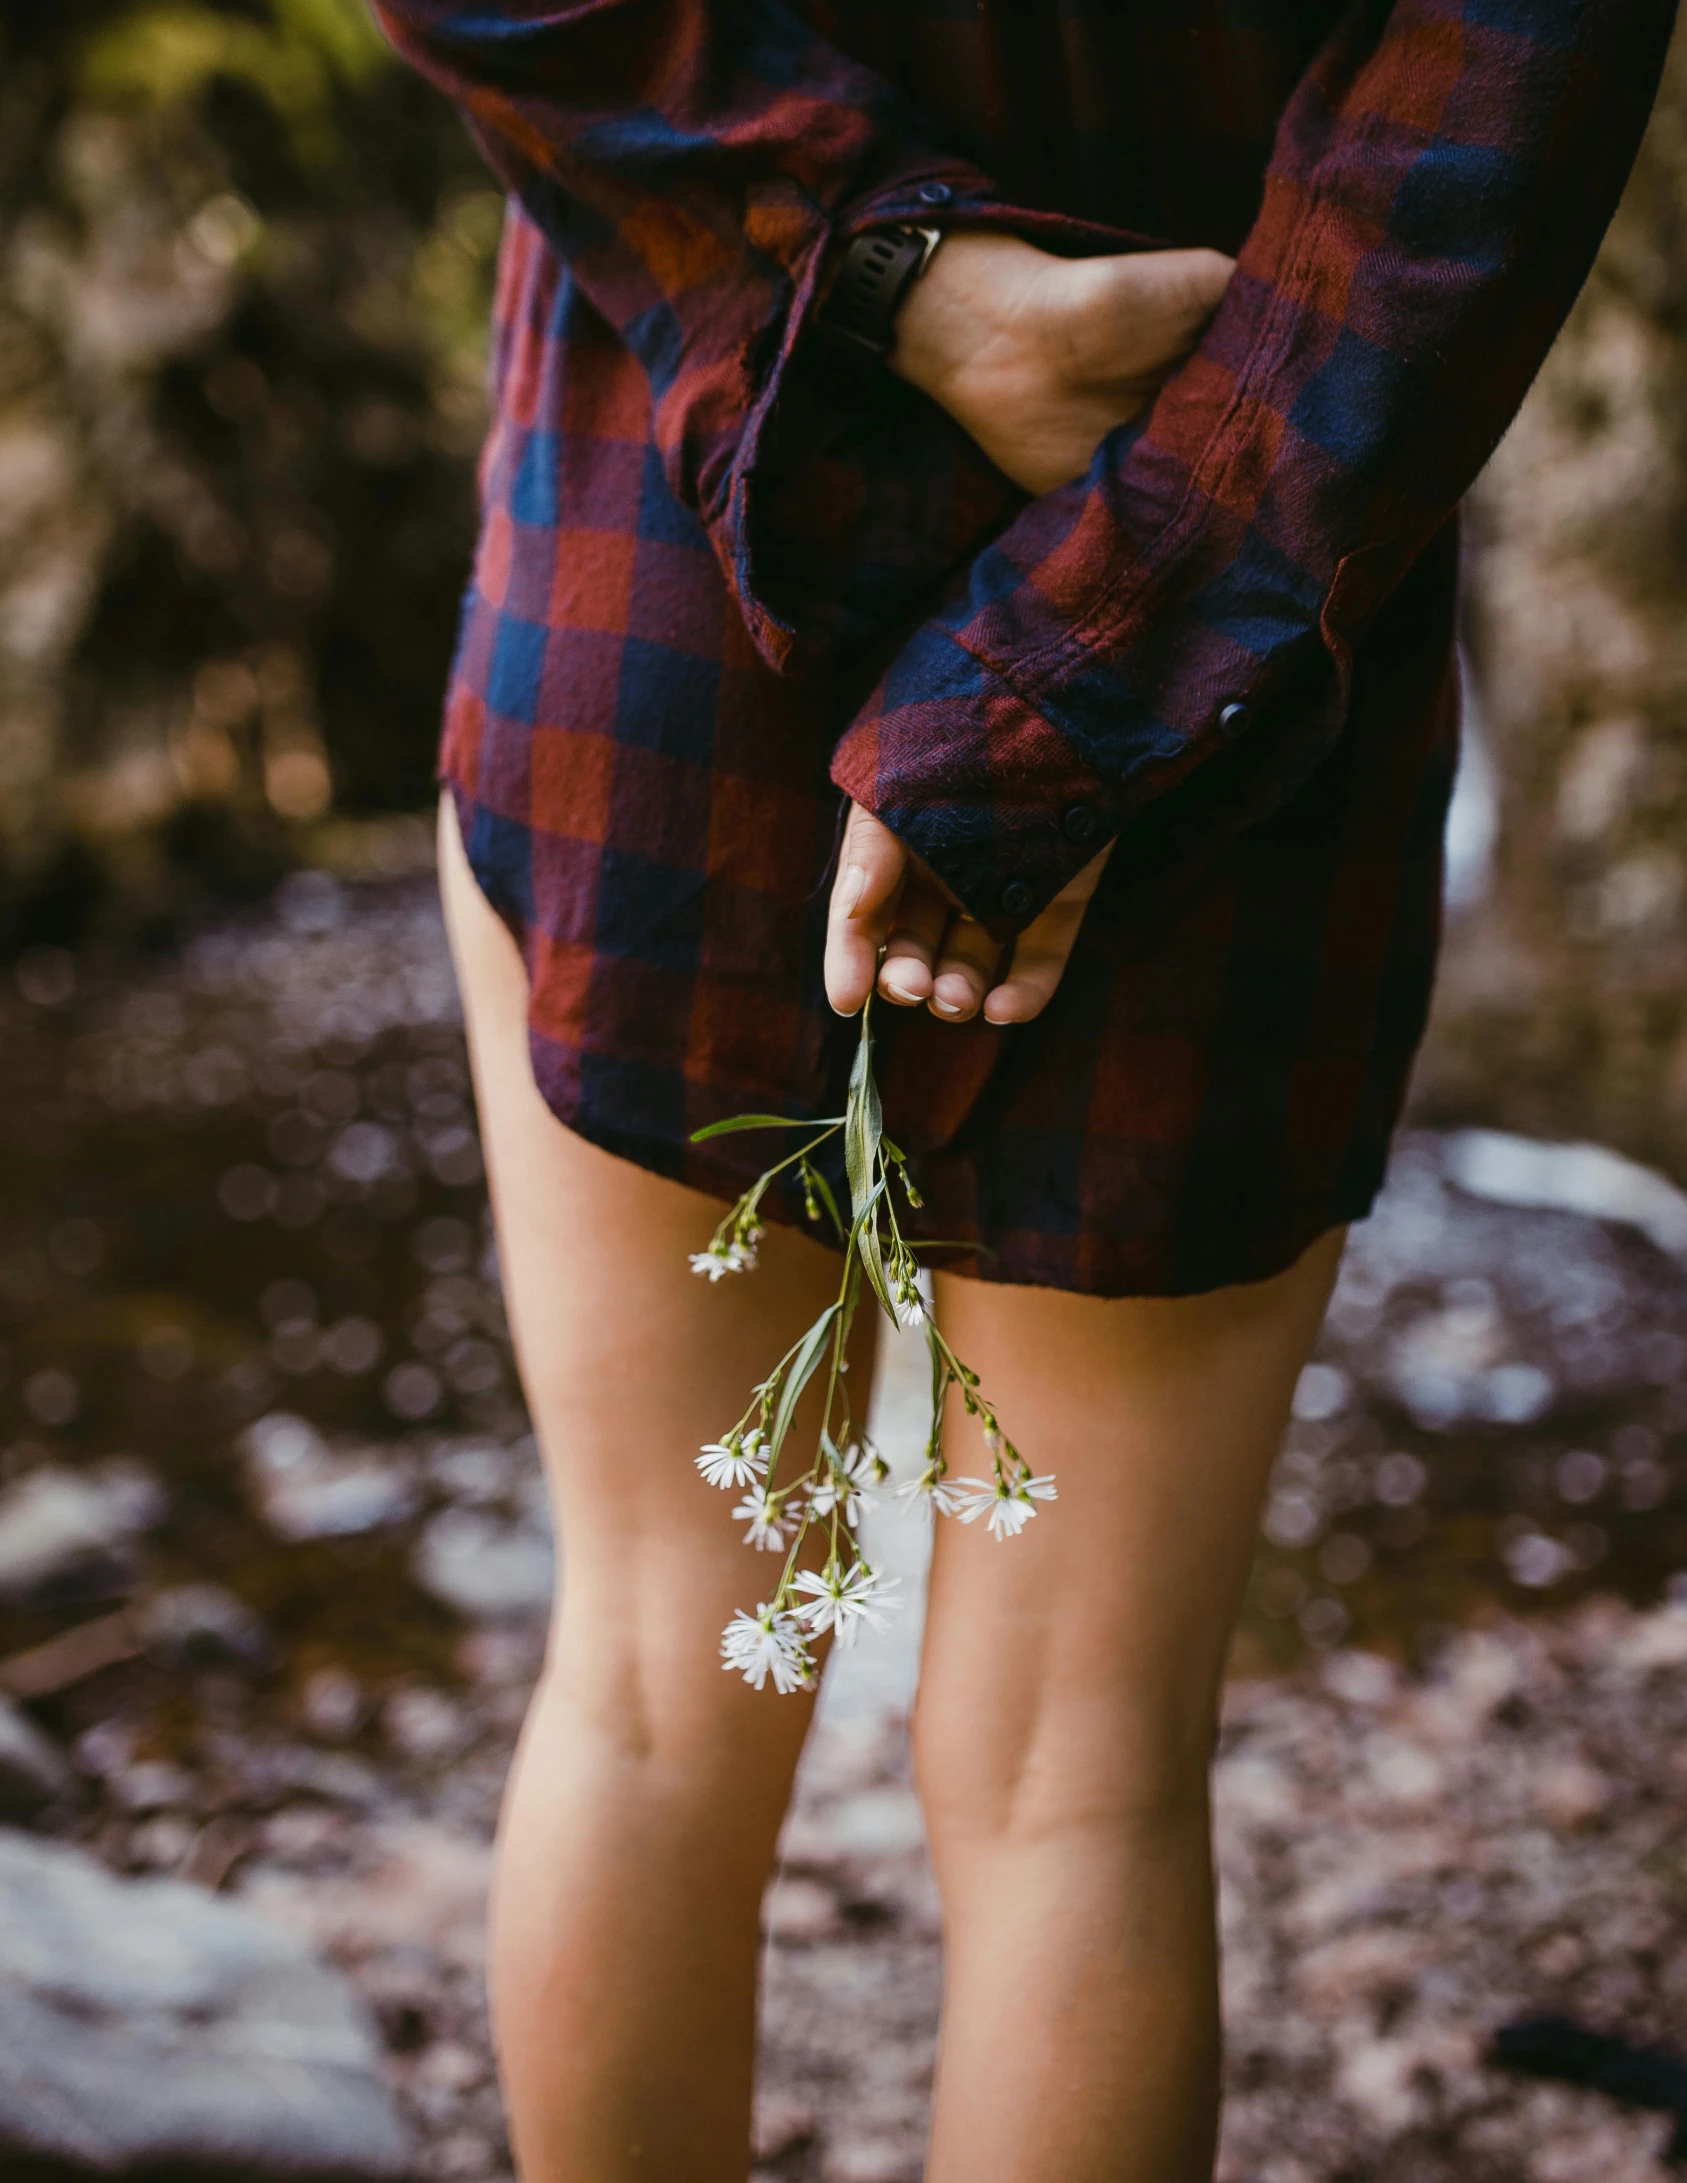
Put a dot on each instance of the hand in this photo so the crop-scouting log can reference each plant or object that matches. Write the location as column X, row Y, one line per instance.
column 1039, row 357
column 885, row 897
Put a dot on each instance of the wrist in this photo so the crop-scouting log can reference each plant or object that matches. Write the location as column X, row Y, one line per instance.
column 860, row 300
column 965, row 315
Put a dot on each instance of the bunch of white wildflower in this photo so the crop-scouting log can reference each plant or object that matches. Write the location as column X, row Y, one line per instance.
column 845, row 1594
column 732, row 1247
column 735, row 1461
column 846, row 1481
column 771, row 1641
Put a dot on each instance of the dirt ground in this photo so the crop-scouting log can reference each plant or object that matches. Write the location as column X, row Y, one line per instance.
column 249, row 1311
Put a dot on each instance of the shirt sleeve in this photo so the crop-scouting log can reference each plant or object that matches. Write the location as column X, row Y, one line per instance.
column 1162, row 651
column 690, row 161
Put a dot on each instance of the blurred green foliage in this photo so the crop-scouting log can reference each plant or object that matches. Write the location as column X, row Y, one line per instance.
column 287, row 468
column 172, row 55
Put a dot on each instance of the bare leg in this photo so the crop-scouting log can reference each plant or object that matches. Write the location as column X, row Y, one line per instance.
column 648, row 1791
column 1066, row 1717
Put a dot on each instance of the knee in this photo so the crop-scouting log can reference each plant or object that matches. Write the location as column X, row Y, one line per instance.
column 1072, row 1769
column 646, row 1705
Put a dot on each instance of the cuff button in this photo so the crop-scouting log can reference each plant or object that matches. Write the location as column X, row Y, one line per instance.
column 1017, row 897
column 1235, row 720
column 1080, row 824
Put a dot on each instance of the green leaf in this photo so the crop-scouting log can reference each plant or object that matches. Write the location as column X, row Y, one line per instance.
column 872, row 1263
column 939, row 1384
column 808, row 1355
column 863, row 1122
column 868, row 1250
column 762, row 1121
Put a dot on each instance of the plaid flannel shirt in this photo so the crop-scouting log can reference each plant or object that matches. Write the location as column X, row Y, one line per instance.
column 1162, row 650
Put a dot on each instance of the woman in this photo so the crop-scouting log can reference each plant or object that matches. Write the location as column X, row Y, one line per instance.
column 1030, row 429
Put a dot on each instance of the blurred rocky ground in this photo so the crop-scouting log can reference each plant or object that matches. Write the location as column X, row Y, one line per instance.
column 274, row 1562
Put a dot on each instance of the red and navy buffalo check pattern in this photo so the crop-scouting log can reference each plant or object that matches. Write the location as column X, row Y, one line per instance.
column 711, row 576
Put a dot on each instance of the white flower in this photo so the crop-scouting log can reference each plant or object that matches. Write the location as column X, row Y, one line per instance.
column 767, row 1643
column 760, row 1510
column 910, row 1309
column 933, row 1493
column 993, row 1442
column 733, row 1462
column 846, row 1602
column 720, row 1259
column 1011, row 1502
column 844, row 1482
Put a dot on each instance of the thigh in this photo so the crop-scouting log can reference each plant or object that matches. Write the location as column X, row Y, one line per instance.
column 630, row 1362
column 1085, row 1655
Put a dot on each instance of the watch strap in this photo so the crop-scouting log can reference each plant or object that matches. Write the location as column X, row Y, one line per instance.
column 878, row 269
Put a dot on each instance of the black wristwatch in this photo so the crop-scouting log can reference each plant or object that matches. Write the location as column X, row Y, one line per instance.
column 878, row 269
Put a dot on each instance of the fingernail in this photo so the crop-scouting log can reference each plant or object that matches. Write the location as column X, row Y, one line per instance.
column 902, row 992
column 851, row 886
column 945, row 1008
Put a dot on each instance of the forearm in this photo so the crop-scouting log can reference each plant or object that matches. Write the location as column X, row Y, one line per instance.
column 690, row 162
column 1432, row 207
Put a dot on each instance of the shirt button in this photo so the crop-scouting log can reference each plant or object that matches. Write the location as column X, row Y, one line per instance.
column 936, row 193
column 1079, row 823
column 1235, row 720
column 1017, row 897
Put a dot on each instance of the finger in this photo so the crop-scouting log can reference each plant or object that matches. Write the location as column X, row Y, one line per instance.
column 1145, row 310
column 871, row 866
column 1040, row 957
column 1192, row 281
column 1043, row 950
column 1172, row 286
column 965, row 968
column 922, row 916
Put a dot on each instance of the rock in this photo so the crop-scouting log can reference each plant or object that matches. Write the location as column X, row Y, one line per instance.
column 67, row 1538
column 308, row 1490
column 191, row 1626
column 333, row 1704
column 418, row 1888
column 1450, row 1367
column 798, row 1910
column 134, row 1495
column 34, row 1772
column 484, row 1566
column 425, row 1725
column 146, row 2024
column 1569, row 1178
column 151, row 1785
column 474, row 1475
column 1501, row 1284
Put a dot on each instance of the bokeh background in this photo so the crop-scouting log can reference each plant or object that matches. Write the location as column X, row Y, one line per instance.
column 242, row 322
column 273, row 1554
